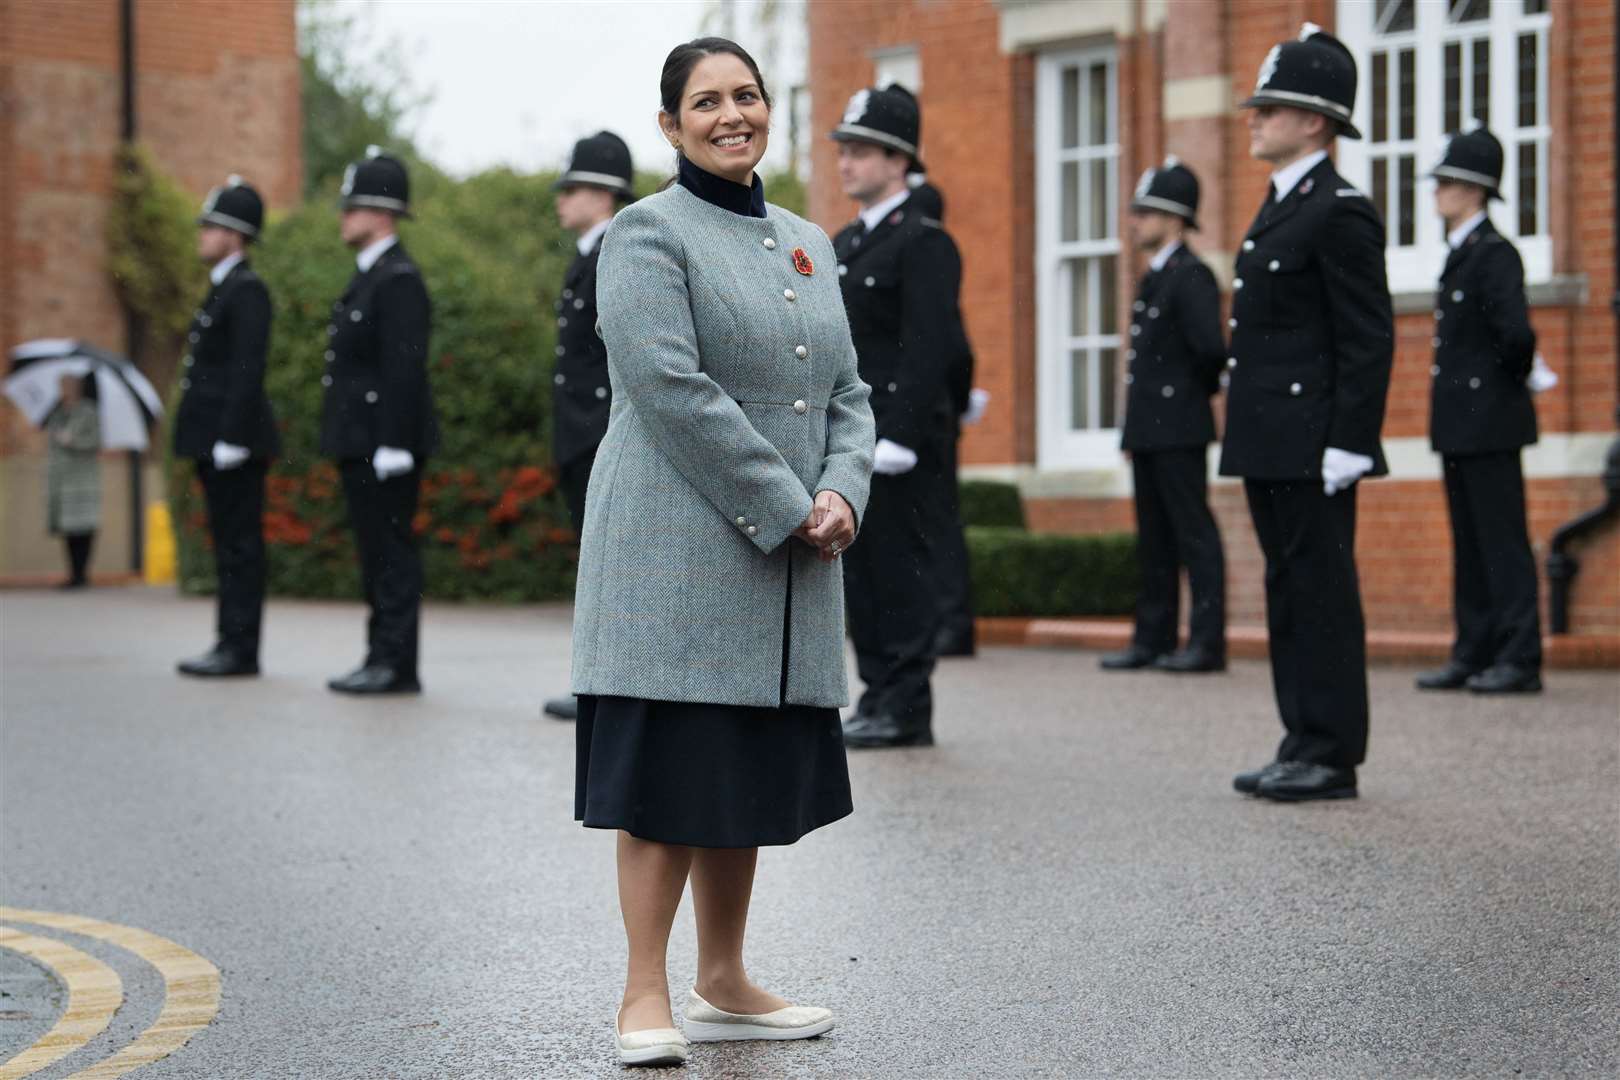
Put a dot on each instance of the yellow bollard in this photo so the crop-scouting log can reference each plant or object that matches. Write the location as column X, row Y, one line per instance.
column 159, row 569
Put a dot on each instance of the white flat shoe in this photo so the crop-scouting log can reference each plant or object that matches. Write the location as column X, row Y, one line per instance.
column 651, row 1046
column 705, row 1023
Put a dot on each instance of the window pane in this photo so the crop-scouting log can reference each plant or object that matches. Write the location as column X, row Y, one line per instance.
column 1394, row 16
column 1107, row 388
column 1069, row 201
column 1528, row 80
column 1069, row 118
column 1380, row 192
column 1098, row 104
column 1079, row 390
column 1482, row 80
column 1099, row 221
column 1535, row 7
column 1380, row 97
column 1453, row 88
column 1408, row 94
column 1408, row 196
column 1470, row 10
column 1529, row 207
column 1079, row 297
column 1107, row 299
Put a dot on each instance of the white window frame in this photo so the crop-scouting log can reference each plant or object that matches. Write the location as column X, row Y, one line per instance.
column 901, row 64
column 1415, row 268
column 1058, row 445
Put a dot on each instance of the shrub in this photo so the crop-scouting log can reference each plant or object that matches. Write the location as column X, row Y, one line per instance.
column 1024, row 573
column 991, row 504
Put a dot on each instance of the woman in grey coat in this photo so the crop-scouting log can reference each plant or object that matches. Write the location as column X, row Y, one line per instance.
column 73, row 474
column 708, row 637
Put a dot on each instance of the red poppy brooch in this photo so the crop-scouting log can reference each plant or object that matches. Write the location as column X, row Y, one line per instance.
column 802, row 263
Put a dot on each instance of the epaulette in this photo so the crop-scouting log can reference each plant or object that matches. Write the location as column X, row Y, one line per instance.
column 932, row 223
column 1350, row 193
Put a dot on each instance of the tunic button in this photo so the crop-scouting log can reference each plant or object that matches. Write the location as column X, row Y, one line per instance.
column 1434, row 370
column 562, row 320
column 843, row 270
column 1135, row 330
column 871, row 281
column 1138, row 306
column 800, row 407
column 1231, row 362
column 206, row 321
column 331, row 331
column 193, row 337
column 1436, row 342
column 1274, row 266
column 568, row 294
column 1168, row 391
column 1153, row 313
column 337, row 305
column 753, row 530
column 561, row 351
column 1473, row 384
column 1129, row 378
column 801, row 352
column 1248, row 245
column 1231, row 323
column 579, row 304
column 1296, row 389
column 1237, row 283
column 326, row 380
column 185, row 384
column 371, row 397
column 1438, row 314
column 356, row 315
column 1130, row 354
column 189, row 360
column 789, row 295
column 770, row 245
column 330, row 356
column 601, row 392
column 559, row 379
column 1456, row 296
column 893, row 387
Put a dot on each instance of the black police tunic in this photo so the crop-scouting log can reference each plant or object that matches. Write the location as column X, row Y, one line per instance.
column 705, row 775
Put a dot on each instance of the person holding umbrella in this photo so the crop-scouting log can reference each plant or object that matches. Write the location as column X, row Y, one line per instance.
column 225, row 423
column 73, row 474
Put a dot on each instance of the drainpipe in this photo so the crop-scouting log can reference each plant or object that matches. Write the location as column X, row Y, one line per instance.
column 137, row 508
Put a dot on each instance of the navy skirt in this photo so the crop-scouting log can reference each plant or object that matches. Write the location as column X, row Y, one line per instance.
column 723, row 776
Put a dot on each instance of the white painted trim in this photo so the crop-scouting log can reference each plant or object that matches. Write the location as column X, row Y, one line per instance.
column 1033, row 24
column 1197, row 97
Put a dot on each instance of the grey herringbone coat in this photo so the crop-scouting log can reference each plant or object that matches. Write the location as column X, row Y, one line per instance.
column 735, row 399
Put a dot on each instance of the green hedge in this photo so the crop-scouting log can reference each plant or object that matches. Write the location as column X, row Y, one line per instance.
column 991, row 504
column 1023, row 573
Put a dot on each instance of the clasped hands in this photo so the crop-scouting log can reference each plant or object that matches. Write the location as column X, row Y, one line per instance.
column 830, row 528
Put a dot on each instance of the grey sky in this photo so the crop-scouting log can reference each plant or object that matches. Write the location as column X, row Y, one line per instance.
column 516, row 82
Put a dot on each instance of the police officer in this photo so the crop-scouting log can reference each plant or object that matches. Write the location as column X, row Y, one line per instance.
column 225, row 424
column 1176, row 358
column 1480, row 415
column 953, row 577
column 596, row 183
column 898, row 270
column 378, row 419
column 1309, row 363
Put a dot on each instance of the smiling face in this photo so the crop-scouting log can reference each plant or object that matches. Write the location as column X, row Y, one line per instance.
column 724, row 123
column 1279, row 134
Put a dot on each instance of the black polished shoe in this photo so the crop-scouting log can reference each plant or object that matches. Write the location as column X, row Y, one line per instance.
column 218, row 662
column 1132, row 659
column 566, row 708
column 873, row 731
column 1506, row 679
column 1300, row 781
column 376, row 679
column 1453, row 676
column 1190, row 660
column 1249, row 782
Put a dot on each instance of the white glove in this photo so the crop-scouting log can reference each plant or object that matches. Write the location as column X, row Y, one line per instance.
column 892, row 459
column 229, row 455
column 978, row 401
column 1541, row 376
column 391, row 461
column 1341, row 468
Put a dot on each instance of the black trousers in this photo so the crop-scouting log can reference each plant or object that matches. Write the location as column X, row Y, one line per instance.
column 1494, row 571
column 953, row 582
column 890, row 590
column 1174, row 528
column 380, row 512
column 78, row 552
column 236, row 522
column 573, row 477
column 1313, row 616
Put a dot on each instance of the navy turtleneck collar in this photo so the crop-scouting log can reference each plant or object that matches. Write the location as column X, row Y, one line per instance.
column 726, row 194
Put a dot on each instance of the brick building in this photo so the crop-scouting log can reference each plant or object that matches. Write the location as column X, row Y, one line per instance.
column 212, row 87
column 1038, row 116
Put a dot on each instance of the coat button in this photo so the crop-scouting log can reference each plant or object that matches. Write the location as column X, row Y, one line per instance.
column 559, row 378
column 741, row 521
column 1237, row 283
column 562, row 320
column 561, row 351
column 1129, row 378
column 1456, row 296
column 1138, row 306
column 753, row 530
column 893, row 387
column 356, row 315
column 1296, row 389
column 206, row 321
column 371, row 397
column 330, row 356
column 326, row 380
column 1231, row 324
column 1248, row 245
column 1168, row 391
column 871, row 281
column 601, row 392
column 800, row 407
column 1434, row 370
column 1153, row 313
column 579, row 305
column 1231, row 362
column 789, row 295
column 1473, row 384
column 770, row 244
column 185, row 384
column 193, row 337
column 1274, row 265
column 801, row 352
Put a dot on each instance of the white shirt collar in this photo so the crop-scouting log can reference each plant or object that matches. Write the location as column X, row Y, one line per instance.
column 1164, row 254
column 220, row 270
column 369, row 256
column 1456, row 236
column 1285, row 178
column 872, row 215
column 587, row 239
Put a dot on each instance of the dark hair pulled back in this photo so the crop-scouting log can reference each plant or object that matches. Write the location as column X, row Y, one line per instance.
column 682, row 59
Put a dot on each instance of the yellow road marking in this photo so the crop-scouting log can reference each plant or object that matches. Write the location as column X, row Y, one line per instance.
column 94, row 993
column 190, row 986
